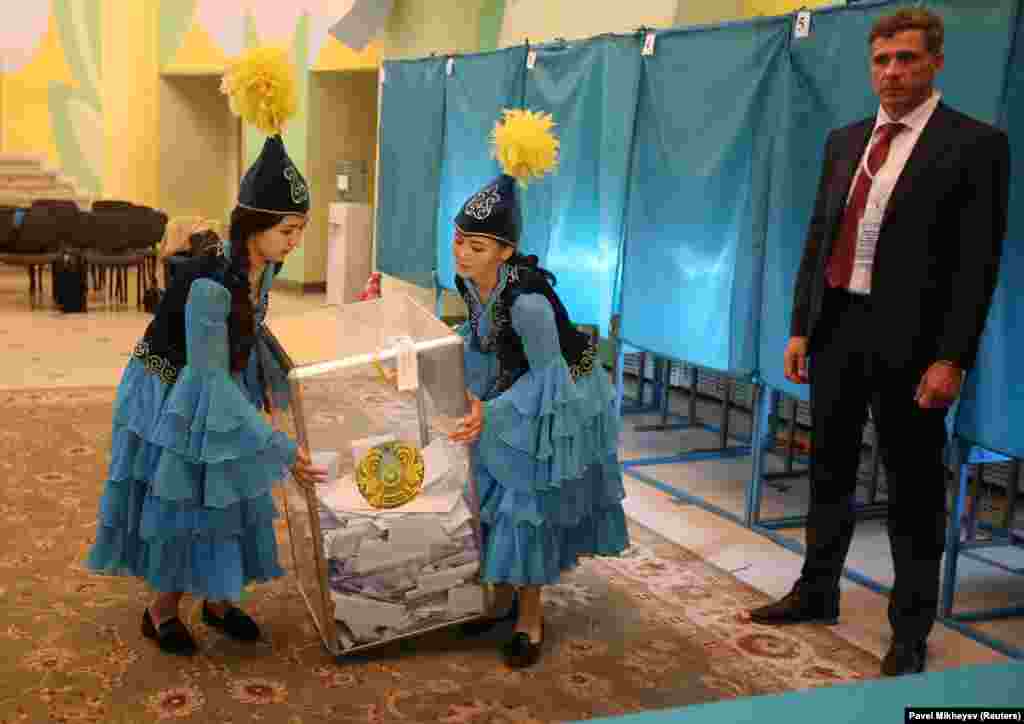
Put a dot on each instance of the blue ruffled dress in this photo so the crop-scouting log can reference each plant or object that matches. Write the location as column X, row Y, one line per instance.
column 546, row 465
column 188, row 505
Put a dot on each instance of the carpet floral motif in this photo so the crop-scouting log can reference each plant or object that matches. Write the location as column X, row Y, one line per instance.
column 654, row 629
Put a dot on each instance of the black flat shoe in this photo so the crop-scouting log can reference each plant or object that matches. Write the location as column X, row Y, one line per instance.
column 475, row 628
column 235, row 623
column 905, row 657
column 171, row 636
column 520, row 652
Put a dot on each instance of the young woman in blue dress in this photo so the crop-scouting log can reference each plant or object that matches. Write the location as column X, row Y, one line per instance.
column 188, row 505
column 542, row 425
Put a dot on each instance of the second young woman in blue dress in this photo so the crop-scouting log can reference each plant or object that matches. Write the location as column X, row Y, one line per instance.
column 543, row 427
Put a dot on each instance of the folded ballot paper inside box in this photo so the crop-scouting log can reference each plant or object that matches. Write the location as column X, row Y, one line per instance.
column 409, row 568
column 399, row 539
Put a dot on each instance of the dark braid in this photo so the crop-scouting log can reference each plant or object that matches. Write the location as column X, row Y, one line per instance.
column 242, row 321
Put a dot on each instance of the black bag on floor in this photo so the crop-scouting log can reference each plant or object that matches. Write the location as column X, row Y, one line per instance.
column 70, row 283
column 154, row 294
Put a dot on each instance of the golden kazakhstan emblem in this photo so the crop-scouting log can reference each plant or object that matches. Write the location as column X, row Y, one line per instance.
column 390, row 475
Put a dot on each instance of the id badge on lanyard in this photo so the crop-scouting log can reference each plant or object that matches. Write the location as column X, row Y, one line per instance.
column 870, row 224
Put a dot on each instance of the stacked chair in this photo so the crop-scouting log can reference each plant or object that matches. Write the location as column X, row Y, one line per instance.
column 46, row 228
column 121, row 237
column 115, row 236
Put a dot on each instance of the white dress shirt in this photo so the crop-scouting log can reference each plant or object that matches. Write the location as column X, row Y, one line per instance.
column 884, row 183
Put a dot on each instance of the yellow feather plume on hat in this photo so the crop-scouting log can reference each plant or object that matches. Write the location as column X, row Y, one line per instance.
column 261, row 87
column 525, row 145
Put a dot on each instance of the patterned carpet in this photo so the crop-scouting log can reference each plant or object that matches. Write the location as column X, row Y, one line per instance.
column 657, row 628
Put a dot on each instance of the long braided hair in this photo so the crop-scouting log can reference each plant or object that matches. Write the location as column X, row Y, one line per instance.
column 242, row 322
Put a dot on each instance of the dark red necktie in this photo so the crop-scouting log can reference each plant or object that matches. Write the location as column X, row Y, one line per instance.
column 840, row 265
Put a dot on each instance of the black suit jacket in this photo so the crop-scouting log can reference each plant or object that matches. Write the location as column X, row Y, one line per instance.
column 937, row 258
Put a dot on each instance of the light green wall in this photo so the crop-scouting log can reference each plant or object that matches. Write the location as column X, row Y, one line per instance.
column 543, row 20
column 418, row 28
column 175, row 19
column 782, row 7
column 76, row 112
column 491, row 15
column 703, row 13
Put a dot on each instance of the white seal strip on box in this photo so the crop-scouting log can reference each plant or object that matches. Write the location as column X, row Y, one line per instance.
column 300, row 373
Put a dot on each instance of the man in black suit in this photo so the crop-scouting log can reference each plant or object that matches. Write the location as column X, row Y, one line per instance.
column 900, row 263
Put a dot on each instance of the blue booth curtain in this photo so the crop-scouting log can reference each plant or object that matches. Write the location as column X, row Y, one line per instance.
column 573, row 219
column 479, row 88
column 827, row 84
column 992, row 404
column 705, row 126
column 979, row 35
column 411, row 143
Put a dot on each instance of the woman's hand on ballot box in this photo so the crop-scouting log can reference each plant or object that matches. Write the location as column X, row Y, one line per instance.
column 388, row 374
column 304, row 472
column 471, row 425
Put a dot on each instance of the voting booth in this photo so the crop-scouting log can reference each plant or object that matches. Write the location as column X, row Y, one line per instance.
column 389, row 547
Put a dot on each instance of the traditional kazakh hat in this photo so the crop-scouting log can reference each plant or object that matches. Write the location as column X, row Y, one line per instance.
column 262, row 88
column 526, row 148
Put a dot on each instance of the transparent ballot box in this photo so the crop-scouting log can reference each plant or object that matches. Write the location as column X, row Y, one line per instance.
column 389, row 547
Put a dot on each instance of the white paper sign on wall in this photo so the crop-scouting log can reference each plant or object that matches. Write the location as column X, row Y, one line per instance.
column 648, row 44
column 802, row 27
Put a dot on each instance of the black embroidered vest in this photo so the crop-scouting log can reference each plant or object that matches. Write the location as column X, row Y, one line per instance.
column 163, row 347
column 577, row 349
